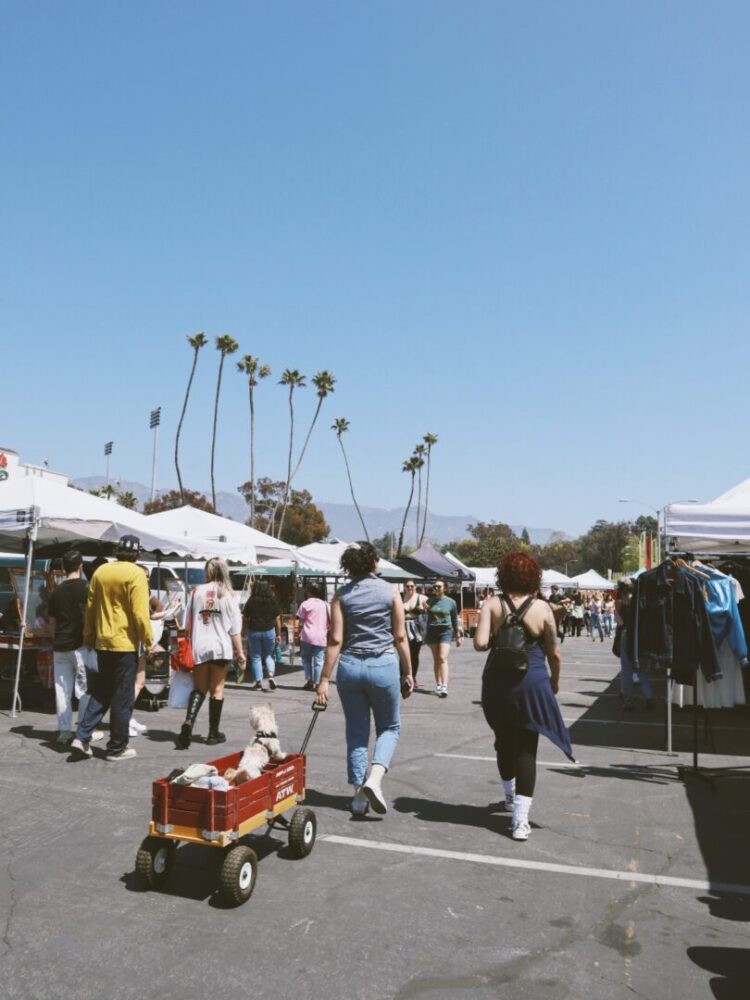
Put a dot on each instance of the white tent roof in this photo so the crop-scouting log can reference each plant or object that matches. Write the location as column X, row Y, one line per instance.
column 720, row 526
column 457, row 562
column 66, row 515
column 551, row 576
column 484, row 576
column 190, row 521
column 329, row 554
column 591, row 580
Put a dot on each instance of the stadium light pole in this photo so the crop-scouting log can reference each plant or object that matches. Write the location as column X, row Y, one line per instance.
column 154, row 421
column 107, row 453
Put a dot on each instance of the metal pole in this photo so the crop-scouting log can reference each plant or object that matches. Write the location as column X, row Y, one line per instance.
column 27, row 585
column 153, row 462
column 106, row 478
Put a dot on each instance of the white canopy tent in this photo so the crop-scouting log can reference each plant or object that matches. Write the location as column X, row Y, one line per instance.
column 550, row 578
column 329, row 554
column 191, row 522
column 721, row 526
column 591, row 580
column 36, row 512
column 484, row 576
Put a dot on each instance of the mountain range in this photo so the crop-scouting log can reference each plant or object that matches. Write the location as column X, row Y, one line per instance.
column 342, row 518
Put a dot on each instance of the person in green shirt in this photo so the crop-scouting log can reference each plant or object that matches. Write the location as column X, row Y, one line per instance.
column 442, row 626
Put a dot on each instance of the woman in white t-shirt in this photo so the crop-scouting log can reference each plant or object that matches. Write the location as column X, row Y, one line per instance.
column 214, row 625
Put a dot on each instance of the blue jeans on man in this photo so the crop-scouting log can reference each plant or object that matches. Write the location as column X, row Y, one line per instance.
column 369, row 685
column 261, row 646
column 111, row 686
column 312, row 660
column 626, row 676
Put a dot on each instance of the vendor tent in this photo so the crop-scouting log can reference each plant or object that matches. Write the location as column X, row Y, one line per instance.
column 329, row 554
column 191, row 522
column 462, row 566
column 721, row 526
column 484, row 576
column 550, row 577
column 427, row 561
column 591, row 580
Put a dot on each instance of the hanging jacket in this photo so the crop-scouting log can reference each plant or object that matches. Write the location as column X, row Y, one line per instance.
column 723, row 611
column 671, row 627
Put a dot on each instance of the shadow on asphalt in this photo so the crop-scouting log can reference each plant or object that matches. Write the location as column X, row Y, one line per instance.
column 323, row 800
column 47, row 738
column 431, row 811
column 628, row 772
column 731, row 966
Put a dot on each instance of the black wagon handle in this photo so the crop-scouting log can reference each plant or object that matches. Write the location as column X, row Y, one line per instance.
column 316, row 710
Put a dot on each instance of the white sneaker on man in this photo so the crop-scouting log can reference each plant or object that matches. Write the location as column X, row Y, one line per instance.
column 136, row 728
column 96, row 736
column 81, row 748
column 125, row 754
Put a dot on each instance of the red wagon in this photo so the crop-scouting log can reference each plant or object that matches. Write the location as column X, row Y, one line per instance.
column 220, row 819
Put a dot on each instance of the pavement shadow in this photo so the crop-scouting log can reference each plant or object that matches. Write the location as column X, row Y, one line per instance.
column 730, row 966
column 45, row 737
column 458, row 814
column 627, row 772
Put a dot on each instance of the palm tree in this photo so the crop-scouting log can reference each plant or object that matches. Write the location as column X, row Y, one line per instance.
column 410, row 465
column 324, row 382
column 196, row 342
column 419, row 452
column 341, row 425
column 295, row 380
column 254, row 371
column 430, row 440
column 128, row 499
column 224, row 345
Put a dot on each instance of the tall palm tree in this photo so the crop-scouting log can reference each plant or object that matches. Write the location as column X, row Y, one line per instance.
column 294, row 379
column 341, row 425
column 430, row 440
column 224, row 345
column 251, row 367
column 410, row 466
column 419, row 453
column 196, row 342
column 324, row 382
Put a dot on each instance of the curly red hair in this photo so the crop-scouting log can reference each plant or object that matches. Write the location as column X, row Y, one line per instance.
column 519, row 573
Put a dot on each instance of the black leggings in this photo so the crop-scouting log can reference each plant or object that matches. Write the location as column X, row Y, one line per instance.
column 516, row 757
column 414, row 648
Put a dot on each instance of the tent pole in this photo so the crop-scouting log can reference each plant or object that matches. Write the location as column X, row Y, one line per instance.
column 31, row 537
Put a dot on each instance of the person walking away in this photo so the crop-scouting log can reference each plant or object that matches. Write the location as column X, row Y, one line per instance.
column 214, row 625
column 67, row 610
column 414, row 612
column 368, row 640
column 315, row 616
column 595, row 618
column 158, row 615
column 262, row 616
column 442, row 625
column 520, row 704
column 117, row 620
column 608, row 615
column 625, row 612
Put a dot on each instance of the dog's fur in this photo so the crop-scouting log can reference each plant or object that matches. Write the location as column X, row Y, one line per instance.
column 261, row 750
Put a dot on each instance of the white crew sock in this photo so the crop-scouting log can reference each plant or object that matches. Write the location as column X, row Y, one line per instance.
column 509, row 787
column 521, row 806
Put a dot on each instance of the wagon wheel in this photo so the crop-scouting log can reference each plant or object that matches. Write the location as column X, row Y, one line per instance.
column 238, row 873
column 302, row 831
column 154, row 861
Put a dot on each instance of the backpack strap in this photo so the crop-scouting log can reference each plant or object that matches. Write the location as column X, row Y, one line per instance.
column 517, row 614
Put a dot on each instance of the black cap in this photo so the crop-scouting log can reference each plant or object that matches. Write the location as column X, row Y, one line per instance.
column 129, row 544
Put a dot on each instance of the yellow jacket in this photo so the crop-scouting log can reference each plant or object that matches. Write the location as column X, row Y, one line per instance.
column 117, row 611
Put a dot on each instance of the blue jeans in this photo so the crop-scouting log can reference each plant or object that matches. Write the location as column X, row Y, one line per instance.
column 626, row 676
column 608, row 621
column 111, row 687
column 261, row 646
column 365, row 685
column 595, row 622
column 312, row 660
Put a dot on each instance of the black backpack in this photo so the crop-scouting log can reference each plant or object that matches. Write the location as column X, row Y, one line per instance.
column 510, row 646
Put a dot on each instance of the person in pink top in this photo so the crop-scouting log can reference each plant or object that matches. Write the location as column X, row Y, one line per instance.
column 315, row 616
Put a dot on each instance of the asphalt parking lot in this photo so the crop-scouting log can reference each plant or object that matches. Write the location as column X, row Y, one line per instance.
column 635, row 881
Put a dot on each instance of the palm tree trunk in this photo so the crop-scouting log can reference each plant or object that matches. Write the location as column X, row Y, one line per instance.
column 179, row 425
column 406, row 514
column 285, row 495
column 293, row 471
column 213, row 438
column 426, row 500
column 252, row 456
column 419, row 504
column 351, row 490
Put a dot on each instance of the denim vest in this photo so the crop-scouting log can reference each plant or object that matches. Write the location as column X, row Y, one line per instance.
column 367, row 604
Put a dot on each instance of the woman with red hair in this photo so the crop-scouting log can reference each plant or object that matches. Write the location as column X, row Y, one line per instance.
column 518, row 693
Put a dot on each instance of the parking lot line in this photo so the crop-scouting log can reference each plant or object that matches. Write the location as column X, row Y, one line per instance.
column 541, row 866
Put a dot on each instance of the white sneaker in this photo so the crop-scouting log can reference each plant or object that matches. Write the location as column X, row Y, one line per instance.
column 360, row 805
column 521, row 831
column 373, row 790
column 64, row 737
column 136, row 727
column 81, row 748
column 96, row 736
column 125, row 754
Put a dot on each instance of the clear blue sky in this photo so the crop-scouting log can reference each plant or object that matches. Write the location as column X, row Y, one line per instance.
column 524, row 227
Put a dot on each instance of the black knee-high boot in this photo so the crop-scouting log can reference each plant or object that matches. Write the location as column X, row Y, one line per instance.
column 215, row 706
column 194, row 706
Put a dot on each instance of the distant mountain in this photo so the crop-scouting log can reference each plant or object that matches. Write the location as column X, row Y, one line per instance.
column 342, row 518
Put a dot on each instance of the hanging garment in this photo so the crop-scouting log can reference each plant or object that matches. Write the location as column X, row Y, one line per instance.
column 724, row 693
column 720, row 594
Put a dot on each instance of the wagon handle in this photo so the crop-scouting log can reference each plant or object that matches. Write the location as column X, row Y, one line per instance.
column 316, row 710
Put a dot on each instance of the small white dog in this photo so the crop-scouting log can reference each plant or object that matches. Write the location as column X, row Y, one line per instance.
column 264, row 748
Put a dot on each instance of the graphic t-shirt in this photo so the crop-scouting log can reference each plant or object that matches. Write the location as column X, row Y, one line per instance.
column 212, row 621
column 67, row 605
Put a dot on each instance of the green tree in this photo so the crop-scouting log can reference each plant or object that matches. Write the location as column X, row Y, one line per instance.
column 430, row 440
column 341, row 426
column 603, row 545
column 293, row 379
column 255, row 371
column 224, row 345
column 525, row 537
column 419, row 453
column 305, row 522
column 128, row 499
column 410, row 466
column 386, row 544
column 177, row 498
column 489, row 542
column 647, row 523
column 106, row 492
column 196, row 342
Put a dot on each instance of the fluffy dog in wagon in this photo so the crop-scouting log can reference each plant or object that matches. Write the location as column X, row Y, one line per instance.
column 265, row 748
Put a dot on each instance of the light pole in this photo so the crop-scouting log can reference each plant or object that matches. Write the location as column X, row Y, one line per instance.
column 154, row 422
column 108, row 452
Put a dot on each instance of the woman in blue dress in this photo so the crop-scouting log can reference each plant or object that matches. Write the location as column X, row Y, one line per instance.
column 520, row 704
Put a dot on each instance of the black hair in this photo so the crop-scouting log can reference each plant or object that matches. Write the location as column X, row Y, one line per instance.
column 313, row 591
column 359, row 560
column 71, row 560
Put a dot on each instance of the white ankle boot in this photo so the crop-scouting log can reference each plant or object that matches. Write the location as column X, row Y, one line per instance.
column 521, row 828
column 360, row 803
column 509, row 787
column 373, row 791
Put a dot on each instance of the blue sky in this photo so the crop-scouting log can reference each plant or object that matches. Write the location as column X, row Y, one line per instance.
column 523, row 227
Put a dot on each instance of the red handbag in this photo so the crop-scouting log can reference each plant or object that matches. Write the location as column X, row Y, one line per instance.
column 183, row 658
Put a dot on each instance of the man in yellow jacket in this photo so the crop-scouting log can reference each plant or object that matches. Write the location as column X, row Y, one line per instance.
column 117, row 621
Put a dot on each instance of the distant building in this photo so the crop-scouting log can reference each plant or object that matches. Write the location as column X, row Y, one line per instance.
column 11, row 467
